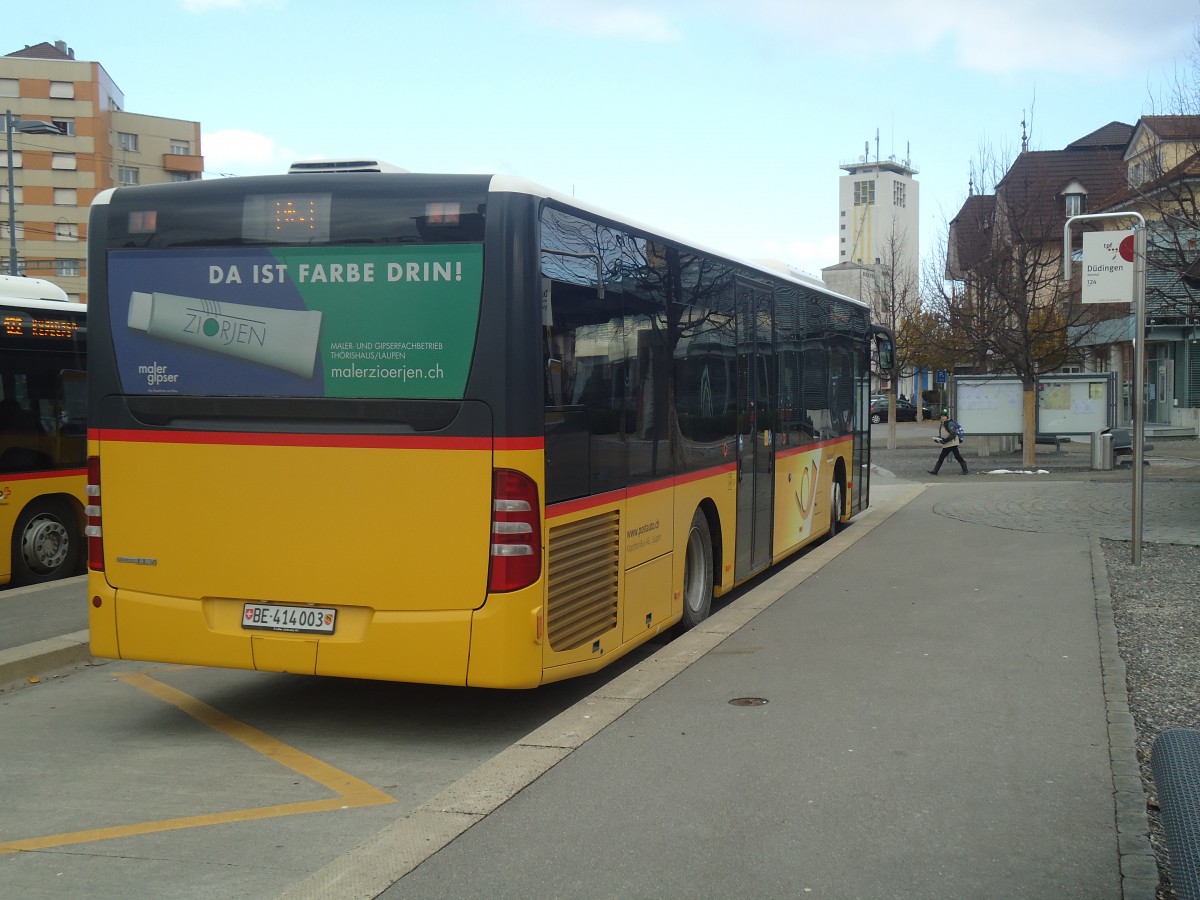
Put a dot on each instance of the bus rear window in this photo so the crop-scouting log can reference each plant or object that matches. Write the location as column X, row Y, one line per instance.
column 291, row 210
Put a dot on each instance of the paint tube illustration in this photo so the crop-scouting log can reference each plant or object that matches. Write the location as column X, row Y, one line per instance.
column 282, row 338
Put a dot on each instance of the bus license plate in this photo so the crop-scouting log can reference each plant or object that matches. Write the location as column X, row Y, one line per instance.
column 274, row 617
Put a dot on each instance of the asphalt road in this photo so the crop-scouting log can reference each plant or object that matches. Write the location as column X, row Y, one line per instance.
column 39, row 612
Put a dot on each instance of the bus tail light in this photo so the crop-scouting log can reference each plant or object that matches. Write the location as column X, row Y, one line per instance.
column 516, row 532
column 95, row 539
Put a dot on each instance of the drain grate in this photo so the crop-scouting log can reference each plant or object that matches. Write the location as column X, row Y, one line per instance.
column 748, row 701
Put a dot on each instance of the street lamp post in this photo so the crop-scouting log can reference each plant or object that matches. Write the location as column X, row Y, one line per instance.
column 30, row 126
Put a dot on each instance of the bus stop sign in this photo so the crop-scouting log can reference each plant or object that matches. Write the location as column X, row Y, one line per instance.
column 1108, row 267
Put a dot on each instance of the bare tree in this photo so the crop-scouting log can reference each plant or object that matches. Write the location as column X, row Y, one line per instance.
column 895, row 298
column 1163, row 180
column 1001, row 301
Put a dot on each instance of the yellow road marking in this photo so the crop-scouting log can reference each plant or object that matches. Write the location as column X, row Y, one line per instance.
column 350, row 791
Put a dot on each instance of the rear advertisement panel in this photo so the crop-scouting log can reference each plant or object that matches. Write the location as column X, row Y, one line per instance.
column 396, row 321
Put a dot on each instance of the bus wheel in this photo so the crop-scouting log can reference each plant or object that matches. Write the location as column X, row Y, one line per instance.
column 835, row 507
column 697, row 573
column 46, row 543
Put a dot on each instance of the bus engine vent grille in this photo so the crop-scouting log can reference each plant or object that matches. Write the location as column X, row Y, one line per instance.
column 583, row 573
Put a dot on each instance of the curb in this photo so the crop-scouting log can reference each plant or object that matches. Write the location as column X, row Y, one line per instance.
column 1138, row 865
column 53, row 656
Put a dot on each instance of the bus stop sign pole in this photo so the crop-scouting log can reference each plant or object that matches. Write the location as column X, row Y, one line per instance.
column 1138, row 299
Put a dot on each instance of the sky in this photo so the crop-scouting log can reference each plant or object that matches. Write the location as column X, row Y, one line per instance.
column 723, row 123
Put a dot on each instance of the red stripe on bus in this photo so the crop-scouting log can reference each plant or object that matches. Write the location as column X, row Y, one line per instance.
column 705, row 473
column 257, row 439
column 804, row 448
column 525, row 443
column 650, row 487
column 568, row 507
column 56, row 473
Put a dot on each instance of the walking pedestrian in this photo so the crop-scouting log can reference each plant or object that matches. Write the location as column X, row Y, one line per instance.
column 948, row 437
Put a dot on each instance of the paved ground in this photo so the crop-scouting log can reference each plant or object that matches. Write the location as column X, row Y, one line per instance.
column 931, row 705
column 1171, row 459
column 934, row 725
column 1170, row 514
column 37, row 612
column 1099, row 503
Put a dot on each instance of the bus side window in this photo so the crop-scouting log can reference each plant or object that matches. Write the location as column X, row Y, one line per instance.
column 72, row 403
column 554, row 367
column 583, row 349
column 21, row 439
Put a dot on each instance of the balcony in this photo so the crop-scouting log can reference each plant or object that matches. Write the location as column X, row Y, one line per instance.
column 175, row 162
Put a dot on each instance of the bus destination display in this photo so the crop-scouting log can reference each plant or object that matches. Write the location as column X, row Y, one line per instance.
column 22, row 325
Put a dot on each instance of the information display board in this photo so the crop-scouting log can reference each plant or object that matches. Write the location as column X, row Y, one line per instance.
column 988, row 404
column 1075, row 404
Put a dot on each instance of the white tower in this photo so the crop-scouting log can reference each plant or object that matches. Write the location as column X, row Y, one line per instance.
column 879, row 212
column 879, row 248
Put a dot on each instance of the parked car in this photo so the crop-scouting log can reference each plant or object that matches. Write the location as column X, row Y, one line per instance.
column 906, row 410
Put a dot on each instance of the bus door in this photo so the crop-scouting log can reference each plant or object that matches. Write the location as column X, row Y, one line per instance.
column 755, row 439
column 860, row 489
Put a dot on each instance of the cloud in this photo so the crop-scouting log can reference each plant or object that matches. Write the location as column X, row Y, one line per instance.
column 621, row 21
column 1055, row 37
column 236, row 152
column 980, row 35
column 985, row 36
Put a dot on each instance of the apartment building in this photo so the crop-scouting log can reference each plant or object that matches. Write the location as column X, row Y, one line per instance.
column 1162, row 183
column 99, row 145
column 1152, row 168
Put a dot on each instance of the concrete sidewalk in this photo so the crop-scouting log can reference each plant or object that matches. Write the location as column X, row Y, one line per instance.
column 915, row 709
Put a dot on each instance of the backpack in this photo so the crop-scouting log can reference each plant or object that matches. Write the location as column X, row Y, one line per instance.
column 958, row 430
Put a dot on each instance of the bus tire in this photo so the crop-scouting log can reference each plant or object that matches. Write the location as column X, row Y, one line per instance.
column 46, row 543
column 697, row 573
column 835, row 507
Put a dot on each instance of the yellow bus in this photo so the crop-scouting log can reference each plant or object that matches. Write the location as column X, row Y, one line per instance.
column 444, row 429
column 43, row 436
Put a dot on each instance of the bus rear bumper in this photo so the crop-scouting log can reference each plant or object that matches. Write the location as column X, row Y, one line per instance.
column 426, row 647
